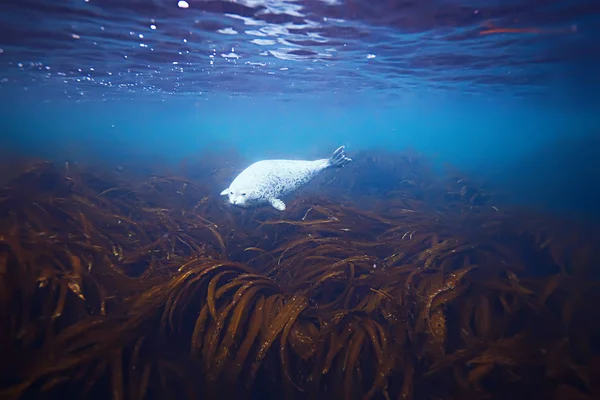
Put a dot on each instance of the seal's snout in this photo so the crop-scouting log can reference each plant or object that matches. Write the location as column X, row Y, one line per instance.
column 234, row 201
column 238, row 203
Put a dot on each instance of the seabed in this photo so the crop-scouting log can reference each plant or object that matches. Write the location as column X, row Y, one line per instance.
column 122, row 285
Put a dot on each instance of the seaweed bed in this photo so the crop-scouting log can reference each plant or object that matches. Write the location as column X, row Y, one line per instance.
column 383, row 281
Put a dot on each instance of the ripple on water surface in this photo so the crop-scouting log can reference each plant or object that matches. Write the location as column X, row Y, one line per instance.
column 79, row 46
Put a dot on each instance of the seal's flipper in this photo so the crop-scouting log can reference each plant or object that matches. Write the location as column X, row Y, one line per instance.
column 224, row 192
column 277, row 204
column 338, row 159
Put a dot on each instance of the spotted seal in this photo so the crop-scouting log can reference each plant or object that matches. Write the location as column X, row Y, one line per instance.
column 267, row 181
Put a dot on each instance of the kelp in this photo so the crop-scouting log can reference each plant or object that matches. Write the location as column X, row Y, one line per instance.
column 381, row 281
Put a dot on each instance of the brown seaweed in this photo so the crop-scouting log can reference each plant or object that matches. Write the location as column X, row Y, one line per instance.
column 114, row 285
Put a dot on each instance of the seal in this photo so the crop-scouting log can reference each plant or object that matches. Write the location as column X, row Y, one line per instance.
column 267, row 181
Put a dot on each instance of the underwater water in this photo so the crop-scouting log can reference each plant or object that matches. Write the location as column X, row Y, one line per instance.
column 453, row 258
column 491, row 88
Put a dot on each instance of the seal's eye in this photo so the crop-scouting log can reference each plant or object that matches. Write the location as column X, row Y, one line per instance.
column 243, row 194
column 230, row 192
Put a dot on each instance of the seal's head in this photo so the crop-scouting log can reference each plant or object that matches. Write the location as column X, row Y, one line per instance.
column 240, row 197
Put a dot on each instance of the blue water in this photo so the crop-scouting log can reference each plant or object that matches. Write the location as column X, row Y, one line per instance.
column 505, row 90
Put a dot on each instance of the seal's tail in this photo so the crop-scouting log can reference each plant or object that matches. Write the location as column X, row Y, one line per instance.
column 338, row 159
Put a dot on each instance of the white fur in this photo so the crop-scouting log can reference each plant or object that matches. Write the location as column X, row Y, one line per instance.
column 267, row 181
